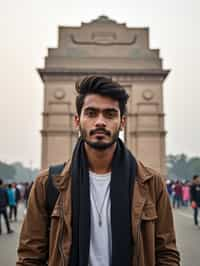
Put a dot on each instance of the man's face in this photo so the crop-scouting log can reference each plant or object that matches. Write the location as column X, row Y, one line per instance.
column 198, row 180
column 100, row 121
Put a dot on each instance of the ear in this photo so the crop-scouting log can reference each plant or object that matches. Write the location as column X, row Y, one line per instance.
column 77, row 121
column 123, row 122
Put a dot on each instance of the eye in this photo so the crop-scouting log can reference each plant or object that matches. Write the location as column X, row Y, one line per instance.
column 91, row 113
column 110, row 114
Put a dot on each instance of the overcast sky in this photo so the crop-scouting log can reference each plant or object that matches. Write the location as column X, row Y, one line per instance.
column 29, row 27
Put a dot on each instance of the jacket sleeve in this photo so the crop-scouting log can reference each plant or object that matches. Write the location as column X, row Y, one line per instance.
column 166, row 250
column 33, row 242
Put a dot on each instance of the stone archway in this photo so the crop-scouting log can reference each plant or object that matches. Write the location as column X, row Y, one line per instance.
column 105, row 47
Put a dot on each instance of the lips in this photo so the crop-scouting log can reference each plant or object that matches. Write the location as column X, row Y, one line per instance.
column 100, row 135
column 99, row 132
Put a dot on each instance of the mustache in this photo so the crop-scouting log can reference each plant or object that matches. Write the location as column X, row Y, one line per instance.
column 102, row 130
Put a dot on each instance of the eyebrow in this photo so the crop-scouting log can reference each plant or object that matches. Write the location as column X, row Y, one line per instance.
column 103, row 110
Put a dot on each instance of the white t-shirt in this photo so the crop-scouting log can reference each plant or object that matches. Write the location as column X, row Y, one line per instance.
column 100, row 235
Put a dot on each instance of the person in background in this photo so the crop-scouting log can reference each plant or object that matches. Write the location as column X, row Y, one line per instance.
column 27, row 189
column 26, row 193
column 169, row 189
column 195, row 197
column 177, row 199
column 3, row 208
column 17, row 197
column 186, row 193
column 11, row 202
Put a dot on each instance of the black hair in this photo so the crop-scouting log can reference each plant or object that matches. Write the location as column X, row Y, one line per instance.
column 195, row 177
column 103, row 86
column 1, row 181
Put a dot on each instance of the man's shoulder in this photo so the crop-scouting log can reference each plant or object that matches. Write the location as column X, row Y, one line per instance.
column 42, row 176
column 146, row 172
column 62, row 170
column 152, row 180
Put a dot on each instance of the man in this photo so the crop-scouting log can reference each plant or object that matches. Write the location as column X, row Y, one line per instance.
column 195, row 197
column 17, row 196
column 177, row 200
column 13, row 199
column 3, row 208
column 111, row 210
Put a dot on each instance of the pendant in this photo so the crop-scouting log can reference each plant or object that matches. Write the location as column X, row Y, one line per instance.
column 100, row 222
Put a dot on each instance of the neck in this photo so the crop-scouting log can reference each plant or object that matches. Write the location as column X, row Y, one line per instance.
column 100, row 161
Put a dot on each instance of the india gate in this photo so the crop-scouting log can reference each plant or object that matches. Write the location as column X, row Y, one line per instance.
column 104, row 47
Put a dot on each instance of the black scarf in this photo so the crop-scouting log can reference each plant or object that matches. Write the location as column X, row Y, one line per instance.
column 124, row 170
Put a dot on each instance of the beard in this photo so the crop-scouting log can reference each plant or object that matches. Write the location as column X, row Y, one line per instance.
column 98, row 145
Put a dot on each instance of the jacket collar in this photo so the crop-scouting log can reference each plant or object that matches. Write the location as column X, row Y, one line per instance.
column 144, row 173
column 61, row 180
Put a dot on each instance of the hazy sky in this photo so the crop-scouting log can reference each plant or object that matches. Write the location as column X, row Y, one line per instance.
column 29, row 27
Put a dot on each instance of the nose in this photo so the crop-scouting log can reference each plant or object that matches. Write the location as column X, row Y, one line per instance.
column 100, row 121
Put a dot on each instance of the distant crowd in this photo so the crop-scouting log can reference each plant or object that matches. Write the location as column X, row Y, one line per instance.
column 181, row 193
column 184, row 194
column 10, row 195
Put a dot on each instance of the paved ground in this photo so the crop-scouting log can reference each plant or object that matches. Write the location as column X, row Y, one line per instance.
column 188, row 238
column 8, row 243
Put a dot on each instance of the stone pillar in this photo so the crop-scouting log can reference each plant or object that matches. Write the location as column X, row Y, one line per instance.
column 58, row 134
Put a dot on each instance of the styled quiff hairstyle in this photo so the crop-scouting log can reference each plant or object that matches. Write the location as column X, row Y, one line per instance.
column 103, row 86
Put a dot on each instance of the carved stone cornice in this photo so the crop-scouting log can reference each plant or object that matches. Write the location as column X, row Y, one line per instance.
column 123, row 73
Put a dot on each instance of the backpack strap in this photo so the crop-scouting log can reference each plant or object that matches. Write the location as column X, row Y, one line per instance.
column 51, row 191
column 52, row 194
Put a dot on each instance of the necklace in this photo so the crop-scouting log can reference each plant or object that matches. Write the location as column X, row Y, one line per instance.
column 99, row 212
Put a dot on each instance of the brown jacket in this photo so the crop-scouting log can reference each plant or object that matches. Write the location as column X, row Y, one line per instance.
column 152, row 223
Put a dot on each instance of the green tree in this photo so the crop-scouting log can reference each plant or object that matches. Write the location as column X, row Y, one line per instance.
column 194, row 166
column 181, row 167
column 24, row 174
column 7, row 172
